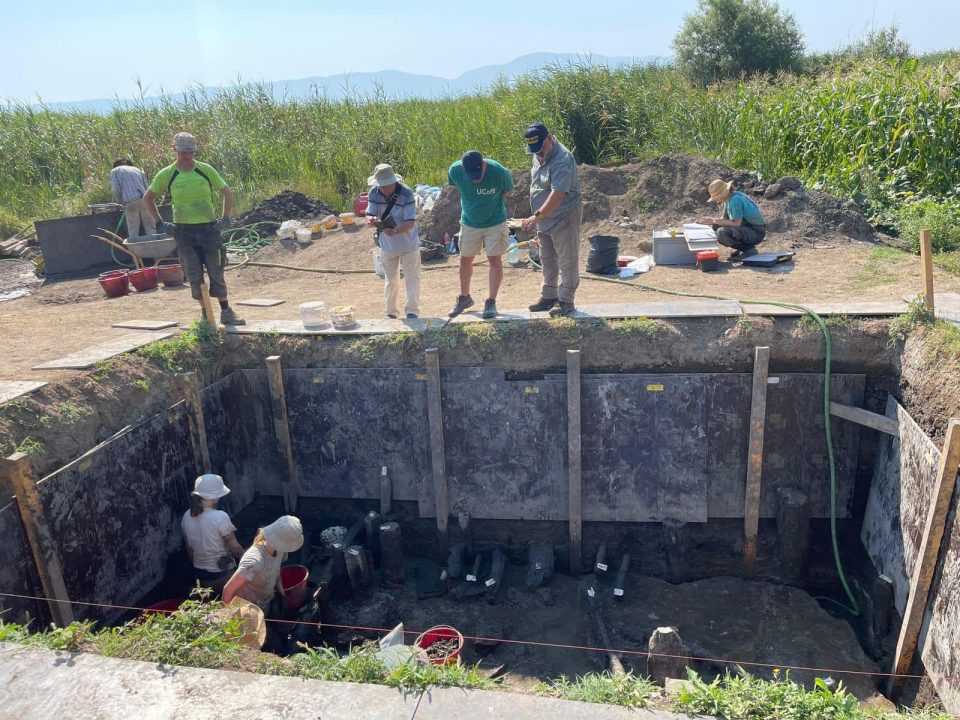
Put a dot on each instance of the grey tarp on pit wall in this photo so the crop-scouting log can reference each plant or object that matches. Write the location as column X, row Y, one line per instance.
column 677, row 452
column 18, row 573
column 896, row 515
column 115, row 512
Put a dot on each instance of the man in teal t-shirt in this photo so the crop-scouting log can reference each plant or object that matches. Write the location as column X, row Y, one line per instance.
column 741, row 225
column 483, row 223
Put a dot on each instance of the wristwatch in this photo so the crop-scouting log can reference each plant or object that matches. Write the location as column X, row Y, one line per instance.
column 537, row 213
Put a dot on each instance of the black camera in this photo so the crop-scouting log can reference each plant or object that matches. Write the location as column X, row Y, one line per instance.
column 389, row 222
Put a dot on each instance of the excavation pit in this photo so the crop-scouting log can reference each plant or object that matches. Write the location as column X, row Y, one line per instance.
column 664, row 447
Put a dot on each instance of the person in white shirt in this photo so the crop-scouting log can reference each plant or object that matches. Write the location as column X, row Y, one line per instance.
column 209, row 534
column 258, row 576
column 129, row 185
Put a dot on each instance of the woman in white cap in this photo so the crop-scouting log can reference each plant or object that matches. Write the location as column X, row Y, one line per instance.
column 258, row 575
column 210, row 535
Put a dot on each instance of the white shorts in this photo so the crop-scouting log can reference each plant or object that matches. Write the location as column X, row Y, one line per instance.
column 493, row 240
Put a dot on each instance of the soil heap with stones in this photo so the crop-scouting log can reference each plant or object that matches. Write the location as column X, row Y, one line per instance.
column 288, row 205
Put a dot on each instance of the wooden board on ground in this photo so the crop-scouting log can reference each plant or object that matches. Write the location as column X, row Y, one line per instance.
column 145, row 324
column 947, row 306
column 261, row 302
column 666, row 309
column 10, row 389
column 860, row 309
column 88, row 357
column 363, row 327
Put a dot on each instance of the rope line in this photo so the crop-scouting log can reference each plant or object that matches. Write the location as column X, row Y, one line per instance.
column 534, row 643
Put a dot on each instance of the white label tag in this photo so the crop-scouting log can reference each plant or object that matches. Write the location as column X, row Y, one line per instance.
column 443, row 574
column 471, row 578
column 538, row 566
column 601, row 567
column 618, row 592
column 353, row 551
column 590, row 592
column 773, row 381
column 491, row 582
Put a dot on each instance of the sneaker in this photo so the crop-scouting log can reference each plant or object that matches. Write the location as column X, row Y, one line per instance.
column 391, row 316
column 489, row 309
column 411, row 316
column 543, row 304
column 749, row 252
column 229, row 317
column 563, row 309
column 463, row 302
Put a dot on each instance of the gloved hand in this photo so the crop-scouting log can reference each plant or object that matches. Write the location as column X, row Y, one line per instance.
column 222, row 224
column 164, row 227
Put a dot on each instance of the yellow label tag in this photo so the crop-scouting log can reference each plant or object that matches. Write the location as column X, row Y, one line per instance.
column 84, row 465
column 420, row 376
column 654, row 388
column 530, row 390
column 318, row 381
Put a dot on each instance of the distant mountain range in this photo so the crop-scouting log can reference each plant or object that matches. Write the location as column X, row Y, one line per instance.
column 392, row 83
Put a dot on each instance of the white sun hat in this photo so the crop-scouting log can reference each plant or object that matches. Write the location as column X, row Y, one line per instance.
column 210, row 487
column 285, row 534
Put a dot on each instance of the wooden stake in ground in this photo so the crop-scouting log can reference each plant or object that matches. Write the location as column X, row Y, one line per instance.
column 758, row 413
column 281, row 427
column 926, row 260
column 190, row 385
column 207, row 305
column 574, row 460
column 17, row 469
column 927, row 557
column 386, row 492
column 435, row 418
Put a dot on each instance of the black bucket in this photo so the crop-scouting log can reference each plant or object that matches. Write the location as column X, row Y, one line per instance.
column 602, row 259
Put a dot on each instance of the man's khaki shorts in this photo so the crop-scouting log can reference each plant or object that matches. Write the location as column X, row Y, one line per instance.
column 493, row 240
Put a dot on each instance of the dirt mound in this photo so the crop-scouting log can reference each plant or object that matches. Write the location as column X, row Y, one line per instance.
column 631, row 201
column 288, row 205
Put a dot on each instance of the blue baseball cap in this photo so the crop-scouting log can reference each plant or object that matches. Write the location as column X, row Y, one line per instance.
column 472, row 162
column 536, row 135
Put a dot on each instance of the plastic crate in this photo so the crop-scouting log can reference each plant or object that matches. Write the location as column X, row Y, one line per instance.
column 670, row 250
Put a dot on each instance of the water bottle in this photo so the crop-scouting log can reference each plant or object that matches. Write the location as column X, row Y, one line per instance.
column 513, row 251
column 447, row 243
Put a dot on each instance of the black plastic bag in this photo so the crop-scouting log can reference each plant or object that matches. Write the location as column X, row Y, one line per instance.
column 602, row 259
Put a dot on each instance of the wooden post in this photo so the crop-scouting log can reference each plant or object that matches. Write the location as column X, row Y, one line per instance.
column 926, row 259
column 17, row 469
column 207, row 305
column 466, row 533
column 281, row 427
column 435, row 418
column 190, row 384
column 386, row 492
column 927, row 557
column 575, row 497
column 758, row 412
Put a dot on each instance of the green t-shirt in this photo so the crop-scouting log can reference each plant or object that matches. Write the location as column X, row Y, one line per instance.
column 481, row 203
column 740, row 207
column 194, row 199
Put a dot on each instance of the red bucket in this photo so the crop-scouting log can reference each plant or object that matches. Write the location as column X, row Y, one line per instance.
column 360, row 204
column 170, row 274
column 441, row 632
column 144, row 278
column 114, row 282
column 293, row 579
column 164, row 606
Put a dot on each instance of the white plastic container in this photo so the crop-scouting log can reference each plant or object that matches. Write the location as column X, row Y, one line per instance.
column 304, row 235
column 313, row 314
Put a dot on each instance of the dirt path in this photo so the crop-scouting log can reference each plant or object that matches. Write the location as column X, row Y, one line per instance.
column 66, row 316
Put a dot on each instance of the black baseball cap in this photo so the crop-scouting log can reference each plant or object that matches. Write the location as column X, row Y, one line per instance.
column 472, row 162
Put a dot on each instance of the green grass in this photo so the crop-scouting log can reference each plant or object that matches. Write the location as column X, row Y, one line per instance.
column 31, row 447
column 750, row 698
column 142, row 385
column 628, row 690
column 916, row 315
column 949, row 261
column 882, row 133
column 197, row 346
column 102, row 370
column 71, row 412
column 881, row 267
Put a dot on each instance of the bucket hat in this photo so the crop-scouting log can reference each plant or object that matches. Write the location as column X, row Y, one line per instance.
column 210, row 487
column 285, row 534
column 184, row 142
column 383, row 175
column 720, row 190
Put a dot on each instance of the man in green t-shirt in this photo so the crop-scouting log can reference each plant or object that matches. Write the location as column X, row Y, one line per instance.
column 195, row 189
column 483, row 223
column 741, row 225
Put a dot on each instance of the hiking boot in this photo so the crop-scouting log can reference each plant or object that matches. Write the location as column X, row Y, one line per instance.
column 411, row 316
column 229, row 317
column 749, row 252
column 563, row 309
column 543, row 304
column 489, row 309
column 390, row 316
column 463, row 302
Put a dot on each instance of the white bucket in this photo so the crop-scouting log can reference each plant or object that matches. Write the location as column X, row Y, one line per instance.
column 304, row 235
column 313, row 314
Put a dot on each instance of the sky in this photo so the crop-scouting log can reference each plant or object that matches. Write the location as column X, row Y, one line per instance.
column 56, row 50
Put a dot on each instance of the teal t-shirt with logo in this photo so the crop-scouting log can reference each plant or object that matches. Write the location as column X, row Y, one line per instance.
column 481, row 203
column 740, row 207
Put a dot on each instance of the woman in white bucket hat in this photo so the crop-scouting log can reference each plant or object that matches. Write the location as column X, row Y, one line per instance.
column 209, row 534
column 258, row 575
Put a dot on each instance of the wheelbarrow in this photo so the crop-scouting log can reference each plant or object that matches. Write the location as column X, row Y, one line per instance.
column 140, row 248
